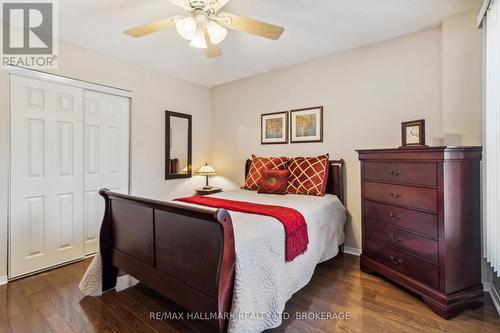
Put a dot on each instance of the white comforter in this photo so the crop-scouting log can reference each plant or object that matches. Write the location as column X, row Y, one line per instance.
column 264, row 281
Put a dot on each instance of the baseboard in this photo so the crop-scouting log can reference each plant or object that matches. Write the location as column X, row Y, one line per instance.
column 3, row 280
column 495, row 297
column 352, row 250
column 486, row 286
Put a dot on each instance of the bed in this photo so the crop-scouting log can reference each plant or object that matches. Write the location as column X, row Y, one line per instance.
column 228, row 267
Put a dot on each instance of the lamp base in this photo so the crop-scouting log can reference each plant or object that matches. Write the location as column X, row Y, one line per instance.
column 208, row 187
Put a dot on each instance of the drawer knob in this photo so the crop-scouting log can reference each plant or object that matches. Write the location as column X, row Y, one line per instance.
column 394, row 238
column 395, row 173
column 395, row 195
column 395, row 216
column 396, row 261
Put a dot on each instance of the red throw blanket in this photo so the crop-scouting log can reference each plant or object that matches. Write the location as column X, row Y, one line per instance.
column 296, row 237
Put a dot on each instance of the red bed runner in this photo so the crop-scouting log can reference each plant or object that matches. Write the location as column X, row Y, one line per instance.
column 296, row 237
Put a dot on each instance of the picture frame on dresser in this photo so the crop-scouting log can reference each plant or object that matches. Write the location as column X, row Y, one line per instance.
column 413, row 133
column 407, row 234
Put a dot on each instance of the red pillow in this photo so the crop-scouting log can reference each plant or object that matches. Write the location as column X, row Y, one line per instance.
column 274, row 181
column 259, row 164
column 308, row 175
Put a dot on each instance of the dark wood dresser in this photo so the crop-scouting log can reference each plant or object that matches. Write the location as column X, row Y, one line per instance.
column 421, row 222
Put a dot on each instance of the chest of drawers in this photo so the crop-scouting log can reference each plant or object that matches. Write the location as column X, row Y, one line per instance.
column 421, row 222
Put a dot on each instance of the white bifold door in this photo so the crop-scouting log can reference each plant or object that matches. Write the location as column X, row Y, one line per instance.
column 66, row 144
column 106, row 137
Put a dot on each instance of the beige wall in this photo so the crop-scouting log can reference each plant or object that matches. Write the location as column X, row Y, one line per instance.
column 4, row 164
column 366, row 93
column 462, row 80
column 152, row 94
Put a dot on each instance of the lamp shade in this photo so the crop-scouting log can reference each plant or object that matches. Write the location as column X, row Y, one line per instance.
column 206, row 170
column 186, row 27
column 216, row 32
column 198, row 39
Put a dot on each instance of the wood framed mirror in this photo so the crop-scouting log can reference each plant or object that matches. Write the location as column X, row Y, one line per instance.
column 178, row 145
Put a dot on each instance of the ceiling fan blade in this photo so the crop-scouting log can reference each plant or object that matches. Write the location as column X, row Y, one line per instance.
column 212, row 51
column 250, row 26
column 181, row 3
column 153, row 27
column 222, row 3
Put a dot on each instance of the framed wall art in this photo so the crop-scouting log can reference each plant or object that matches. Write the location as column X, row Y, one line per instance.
column 306, row 125
column 274, row 128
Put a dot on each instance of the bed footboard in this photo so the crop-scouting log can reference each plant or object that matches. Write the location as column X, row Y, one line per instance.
column 186, row 254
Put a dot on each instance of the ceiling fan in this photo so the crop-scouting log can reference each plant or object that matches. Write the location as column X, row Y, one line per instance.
column 205, row 27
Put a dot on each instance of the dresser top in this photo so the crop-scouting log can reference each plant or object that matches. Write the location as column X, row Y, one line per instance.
column 422, row 153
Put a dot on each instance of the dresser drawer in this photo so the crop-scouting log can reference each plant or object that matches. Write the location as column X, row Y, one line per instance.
column 408, row 173
column 414, row 197
column 406, row 264
column 406, row 241
column 420, row 222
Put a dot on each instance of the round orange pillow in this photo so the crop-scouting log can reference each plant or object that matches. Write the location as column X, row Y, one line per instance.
column 274, row 181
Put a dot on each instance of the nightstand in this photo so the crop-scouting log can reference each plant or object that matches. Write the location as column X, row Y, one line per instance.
column 201, row 191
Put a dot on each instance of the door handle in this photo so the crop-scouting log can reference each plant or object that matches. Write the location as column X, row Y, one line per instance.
column 396, row 261
column 395, row 195
column 394, row 173
column 394, row 216
column 394, row 238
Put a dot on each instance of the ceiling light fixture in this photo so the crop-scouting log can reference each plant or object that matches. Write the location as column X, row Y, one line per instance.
column 198, row 41
column 205, row 25
column 192, row 29
column 186, row 27
column 216, row 32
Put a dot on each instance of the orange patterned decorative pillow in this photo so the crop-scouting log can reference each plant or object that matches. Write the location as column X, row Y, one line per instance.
column 308, row 175
column 259, row 164
column 274, row 181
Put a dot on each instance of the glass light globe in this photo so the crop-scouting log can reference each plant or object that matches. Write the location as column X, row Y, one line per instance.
column 216, row 32
column 186, row 27
column 198, row 40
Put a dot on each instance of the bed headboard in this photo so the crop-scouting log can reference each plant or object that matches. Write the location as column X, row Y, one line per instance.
column 336, row 178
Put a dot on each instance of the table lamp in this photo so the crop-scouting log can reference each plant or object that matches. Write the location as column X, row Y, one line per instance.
column 206, row 171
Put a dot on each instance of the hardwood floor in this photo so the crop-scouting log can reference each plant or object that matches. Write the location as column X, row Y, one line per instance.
column 52, row 302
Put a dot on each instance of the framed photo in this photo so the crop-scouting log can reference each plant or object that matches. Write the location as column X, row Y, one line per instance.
column 274, row 128
column 413, row 133
column 306, row 125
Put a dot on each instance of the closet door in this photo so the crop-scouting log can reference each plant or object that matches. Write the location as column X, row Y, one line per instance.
column 46, row 208
column 106, row 157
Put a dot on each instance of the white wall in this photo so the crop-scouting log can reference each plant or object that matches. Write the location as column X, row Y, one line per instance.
column 366, row 94
column 152, row 94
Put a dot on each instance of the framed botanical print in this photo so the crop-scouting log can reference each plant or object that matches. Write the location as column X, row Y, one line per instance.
column 306, row 125
column 274, row 128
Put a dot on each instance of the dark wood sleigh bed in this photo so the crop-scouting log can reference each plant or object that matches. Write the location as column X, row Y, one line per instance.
column 185, row 254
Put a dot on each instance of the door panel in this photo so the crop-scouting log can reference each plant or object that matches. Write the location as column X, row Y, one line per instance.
column 46, row 215
column 35, row 225
column 106, row 147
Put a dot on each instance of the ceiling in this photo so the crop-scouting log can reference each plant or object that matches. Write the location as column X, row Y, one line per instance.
column 313, row 28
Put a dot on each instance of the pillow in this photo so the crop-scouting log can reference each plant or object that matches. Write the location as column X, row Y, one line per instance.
column 273, row 181
column 308, row 175
column 259, row 164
